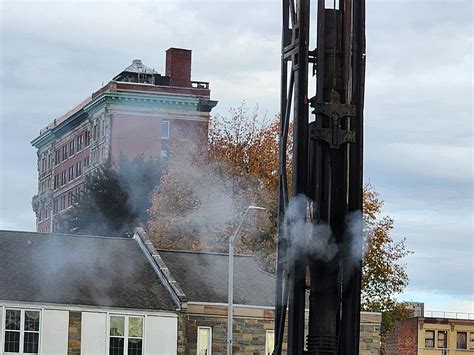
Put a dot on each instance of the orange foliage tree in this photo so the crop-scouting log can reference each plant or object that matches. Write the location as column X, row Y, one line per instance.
column 204, row 192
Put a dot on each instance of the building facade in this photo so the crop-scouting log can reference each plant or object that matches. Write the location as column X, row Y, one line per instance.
column 432, row 336
column 137, row 113
column 82, row 295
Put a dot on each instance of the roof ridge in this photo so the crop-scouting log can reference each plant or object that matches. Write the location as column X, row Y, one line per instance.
column 65, row 235
column 201, row 252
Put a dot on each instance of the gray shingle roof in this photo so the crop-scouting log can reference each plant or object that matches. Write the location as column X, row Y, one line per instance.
column 79, row 270
column 203, row 278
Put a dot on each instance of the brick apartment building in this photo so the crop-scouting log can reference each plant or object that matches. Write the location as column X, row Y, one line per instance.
column 432, row 333
column 138, row 112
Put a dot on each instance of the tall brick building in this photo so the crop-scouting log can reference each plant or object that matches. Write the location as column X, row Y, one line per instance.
column 138, row 112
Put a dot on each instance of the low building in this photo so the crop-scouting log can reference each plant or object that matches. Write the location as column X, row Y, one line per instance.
column 82, row 295
column 435, row 334
column 68, row 295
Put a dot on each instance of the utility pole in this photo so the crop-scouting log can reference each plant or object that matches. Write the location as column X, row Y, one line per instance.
column 327, row 170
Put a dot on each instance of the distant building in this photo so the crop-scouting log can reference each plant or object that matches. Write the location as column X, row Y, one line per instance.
column 139, row 112
column 433, row 333
column 71, row 295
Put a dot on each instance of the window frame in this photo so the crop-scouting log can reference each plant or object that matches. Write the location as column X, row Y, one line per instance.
column 466, row 340
column 267, row 345
column 21, row 331
column 433, row 339
column 199, row 338
column 79, row 141
column 445, row 332
column 167, row 129
column 126, row 336
column 71, row 148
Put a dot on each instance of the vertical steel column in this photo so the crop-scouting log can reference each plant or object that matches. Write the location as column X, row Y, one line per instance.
column 297, row 264
column 350, row 322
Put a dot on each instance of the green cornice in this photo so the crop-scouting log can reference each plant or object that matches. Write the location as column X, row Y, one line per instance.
column 143, row 100
column 119, row 98
column 42, row 139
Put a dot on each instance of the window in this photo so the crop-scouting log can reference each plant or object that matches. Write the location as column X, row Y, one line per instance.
column 57, row 157
column 165, row 129
column 62, row 202
column 78, row 169
column 461, row 340
column 65, row 152
column 71, row 173
column 269, row 342
column 442, row 339
column 204, row 341
column 429, row 338
column 87, row 138
column 22, row 331
column 71, row 148
column 55, row 205
column 43, row 165
column 126, row 335
column 69, row 199
column 63, row 177
column 79, row 143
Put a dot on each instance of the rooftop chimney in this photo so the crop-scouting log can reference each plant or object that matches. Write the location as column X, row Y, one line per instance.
column 178, row 66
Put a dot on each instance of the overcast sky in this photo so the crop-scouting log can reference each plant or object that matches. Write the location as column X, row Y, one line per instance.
column 419, row 102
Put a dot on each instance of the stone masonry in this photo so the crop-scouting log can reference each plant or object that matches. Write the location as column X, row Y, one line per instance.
column 74, row 334
column 250, row 327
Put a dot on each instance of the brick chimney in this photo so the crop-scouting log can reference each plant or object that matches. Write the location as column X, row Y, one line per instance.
column 178, row 66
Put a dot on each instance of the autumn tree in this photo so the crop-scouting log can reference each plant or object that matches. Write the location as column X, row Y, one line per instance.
column 206, row 191
column 240, row 167
column 383, row 274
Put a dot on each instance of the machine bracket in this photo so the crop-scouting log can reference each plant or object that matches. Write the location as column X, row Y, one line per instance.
column 334, row 110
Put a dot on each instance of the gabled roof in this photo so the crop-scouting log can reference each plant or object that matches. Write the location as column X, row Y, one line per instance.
column 204, row 277
column 79, row 270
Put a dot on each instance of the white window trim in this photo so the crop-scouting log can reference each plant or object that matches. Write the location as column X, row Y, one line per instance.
column 168, row 130
column 266, row 340
column 210, row 340
column 125, row 337
column 22, row 329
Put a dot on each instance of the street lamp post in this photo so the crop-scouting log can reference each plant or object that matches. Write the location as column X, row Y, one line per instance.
column 230, row 294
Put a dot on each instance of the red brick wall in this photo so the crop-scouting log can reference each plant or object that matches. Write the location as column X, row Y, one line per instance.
column 133, row 135
column 403, row 339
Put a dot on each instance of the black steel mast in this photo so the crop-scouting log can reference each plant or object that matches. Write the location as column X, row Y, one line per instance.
column 327, row 170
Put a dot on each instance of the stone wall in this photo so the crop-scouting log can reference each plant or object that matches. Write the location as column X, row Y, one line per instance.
column 369, row 343
column 249, row 335
column 250, row 328
column 74, row 333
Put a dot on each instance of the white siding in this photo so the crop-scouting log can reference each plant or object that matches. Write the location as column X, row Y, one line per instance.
column 55, row 332
column 93, row 333
column 161, row 335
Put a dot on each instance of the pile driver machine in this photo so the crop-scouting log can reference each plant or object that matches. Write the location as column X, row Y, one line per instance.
column 327, row 152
